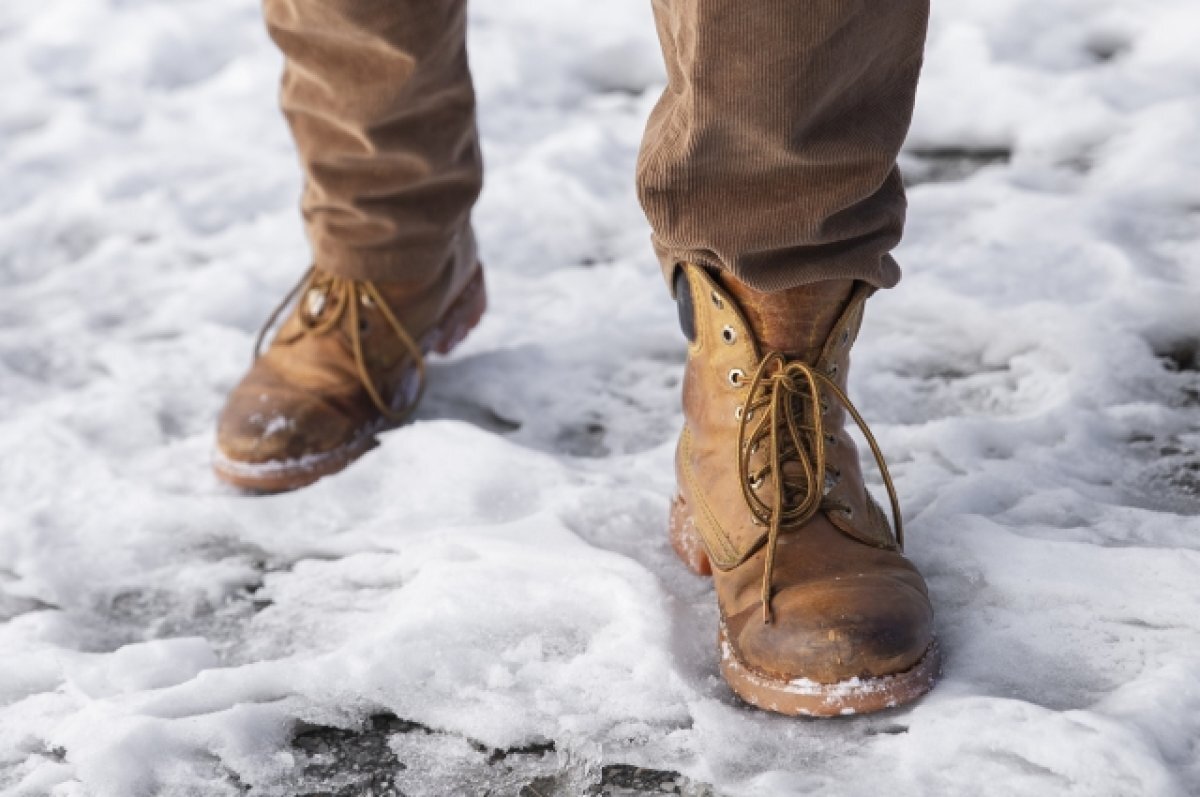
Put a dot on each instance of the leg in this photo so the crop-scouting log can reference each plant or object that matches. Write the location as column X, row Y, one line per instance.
column 769, row 177
column 379, row 99
column 772, row 153
column 380, row 102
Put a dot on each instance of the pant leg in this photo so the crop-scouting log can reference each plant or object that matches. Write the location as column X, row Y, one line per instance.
column 772, row 152
column 379, row 98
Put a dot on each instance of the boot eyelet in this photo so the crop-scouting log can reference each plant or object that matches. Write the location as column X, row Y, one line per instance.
column 737, row 377
column 831, row 440
column 314, row 303
column 737, row 412
column 833, row 369
column 717, row 301
column 729, row 334
column 845, row 337
column 755, row 484
column 366, row 301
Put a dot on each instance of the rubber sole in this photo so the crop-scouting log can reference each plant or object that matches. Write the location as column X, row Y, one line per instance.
column 800, row 696
column 283, row 475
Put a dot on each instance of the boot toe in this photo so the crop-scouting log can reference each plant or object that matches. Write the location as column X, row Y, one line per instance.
column 279, row 427
column 869, row 626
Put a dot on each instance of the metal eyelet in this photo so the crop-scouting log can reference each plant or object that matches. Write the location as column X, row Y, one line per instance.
column 737, row 412
column 366, row 301
column 717, row 301
column 755, row 484
column 831, row 440
column 833, row 370
column 845, row 337
column 314, row 302
column 729, row 334
column 737, row 377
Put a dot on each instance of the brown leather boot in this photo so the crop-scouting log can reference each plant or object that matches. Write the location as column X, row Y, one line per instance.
column 347, row 364
column 821, row 613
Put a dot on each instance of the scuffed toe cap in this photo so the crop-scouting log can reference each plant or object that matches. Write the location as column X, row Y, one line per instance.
column 867, row 626
column 258, row 426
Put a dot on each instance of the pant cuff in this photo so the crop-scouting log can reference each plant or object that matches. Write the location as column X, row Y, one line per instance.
column 879, row 271
column 416, row 264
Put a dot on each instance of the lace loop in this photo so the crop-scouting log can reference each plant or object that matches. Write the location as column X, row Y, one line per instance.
column 340, row 296
column 782, row 394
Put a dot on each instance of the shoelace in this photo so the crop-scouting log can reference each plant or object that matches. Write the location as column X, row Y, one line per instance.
column 782, row 393
column 327, row 298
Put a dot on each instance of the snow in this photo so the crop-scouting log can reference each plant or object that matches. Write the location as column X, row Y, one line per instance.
column 497, row 575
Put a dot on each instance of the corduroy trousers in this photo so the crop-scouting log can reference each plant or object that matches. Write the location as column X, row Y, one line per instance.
column 771, row 153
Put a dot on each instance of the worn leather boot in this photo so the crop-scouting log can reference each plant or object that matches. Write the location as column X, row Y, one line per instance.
column 821, row 613
column 347, row 364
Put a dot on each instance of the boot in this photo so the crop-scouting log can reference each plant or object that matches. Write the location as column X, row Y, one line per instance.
column 821, row 613
column 347, row 364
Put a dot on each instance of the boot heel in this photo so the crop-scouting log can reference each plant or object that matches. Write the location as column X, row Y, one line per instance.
column 463, row 316
column 686, row 540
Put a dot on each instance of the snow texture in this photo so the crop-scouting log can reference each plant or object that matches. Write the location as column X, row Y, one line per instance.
column 487, row 603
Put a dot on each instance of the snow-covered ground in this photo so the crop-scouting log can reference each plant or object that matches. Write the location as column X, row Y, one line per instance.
column 487, row 603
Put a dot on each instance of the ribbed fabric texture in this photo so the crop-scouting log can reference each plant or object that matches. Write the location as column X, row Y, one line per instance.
column 379, row 98
column 771, row 154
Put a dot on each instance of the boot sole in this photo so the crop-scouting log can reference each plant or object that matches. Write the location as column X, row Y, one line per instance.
column 283, row 475
column 800, row 696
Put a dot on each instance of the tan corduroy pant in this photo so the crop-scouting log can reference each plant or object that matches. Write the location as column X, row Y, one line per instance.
column 771, row 154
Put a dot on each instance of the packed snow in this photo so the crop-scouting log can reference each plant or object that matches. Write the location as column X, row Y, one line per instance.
column 488, row 600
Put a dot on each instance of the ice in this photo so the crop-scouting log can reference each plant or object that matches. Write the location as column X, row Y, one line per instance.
column 488, row 600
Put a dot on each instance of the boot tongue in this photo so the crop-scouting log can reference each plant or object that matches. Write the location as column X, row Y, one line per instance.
column 795, row 322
